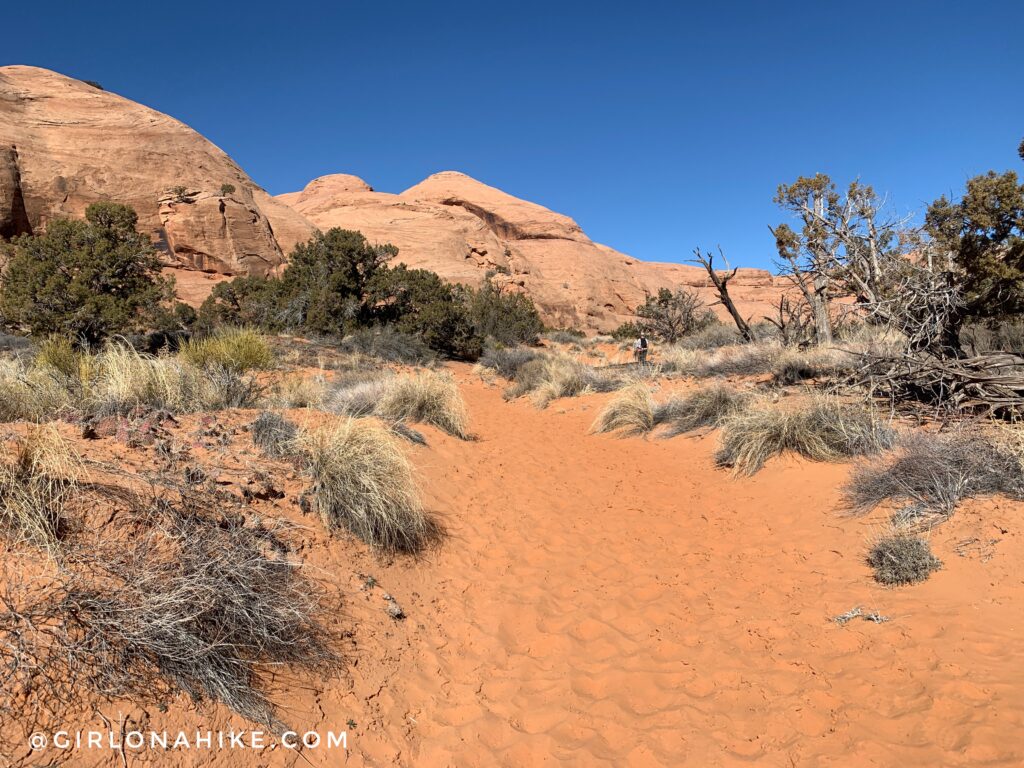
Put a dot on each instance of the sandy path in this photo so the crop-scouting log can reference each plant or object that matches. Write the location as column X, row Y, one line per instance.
column 622, row 602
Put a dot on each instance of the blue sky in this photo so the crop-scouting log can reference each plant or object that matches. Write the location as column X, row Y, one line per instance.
column 657, row 126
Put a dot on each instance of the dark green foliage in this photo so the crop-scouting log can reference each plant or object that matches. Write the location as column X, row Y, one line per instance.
column 325, row 284
column 336, row 284
column 902, row 558
column 505, row 316
column 227, row 189
column 418, row 302
column 181, row 194
column 87, row 279
column 94, row 84
column 670, row 316
column 247, row 301
column 984, row 232
column 627, row 331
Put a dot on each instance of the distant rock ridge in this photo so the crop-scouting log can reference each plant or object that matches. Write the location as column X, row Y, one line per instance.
column 461, row 228
column 65, row 144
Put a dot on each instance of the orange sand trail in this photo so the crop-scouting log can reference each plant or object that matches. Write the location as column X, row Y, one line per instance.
column 622, row 602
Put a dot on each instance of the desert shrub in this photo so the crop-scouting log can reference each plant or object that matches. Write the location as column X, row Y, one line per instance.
column 429, row 397
column 273, row 434
column 420, row 303
column 125, row 380
column 627, row 332
column 822, row 429
column 900, row 558
column 565, row 336
column 249, row 300
column 192, row 601
column 793, row 366
column 507, row 361
column 227, row 189
column 934, row 473
column 506, row 316
column 86, row 278
column 363, row 483
column 712, row 336
column 326, row 285
column 711, row 406
column 670, row 316
column 734, row 360
column 11, row 343
column 388, row 344
column 234, row 349
column 552, row 376
column 630, row 411
column 221, row 388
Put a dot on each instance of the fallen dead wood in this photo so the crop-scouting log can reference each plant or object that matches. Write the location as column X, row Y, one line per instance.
column 992, row 382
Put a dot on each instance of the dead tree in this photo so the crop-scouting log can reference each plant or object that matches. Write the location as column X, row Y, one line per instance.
column 721, row 283
column 792, row 321
column 811, row 252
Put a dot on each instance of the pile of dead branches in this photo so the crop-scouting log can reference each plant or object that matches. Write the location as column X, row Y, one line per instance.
column 992, row 382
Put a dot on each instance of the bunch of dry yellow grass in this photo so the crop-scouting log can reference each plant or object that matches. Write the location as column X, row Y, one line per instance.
column 630, row 412
column 821, row 429
column 36, row 486
column 429, row 397
column 363, row 482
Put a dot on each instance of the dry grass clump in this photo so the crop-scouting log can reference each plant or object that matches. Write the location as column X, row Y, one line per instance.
column 362, row 482
column 712, row 336
column 630, row 412
column 822, row 429
column 429, row 397
column 125, row 380
column 33, row 393
column 743, row 360
column 795, row 365
column 273, row 434
column 733, row 360
column 933, row 473
column 36, row 487
column 711, row 406
column 551, row 376
column 358, row 398
column 507, row 361
column 234, row 349
column 901, row 557
column 299, row 391
column 387, row 344
column 59, row 354
column 194, row 600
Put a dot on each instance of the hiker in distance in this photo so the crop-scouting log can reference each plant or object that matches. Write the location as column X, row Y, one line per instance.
column 640, row 349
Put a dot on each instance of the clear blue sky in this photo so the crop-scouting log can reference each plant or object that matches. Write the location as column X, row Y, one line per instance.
column 657, row 126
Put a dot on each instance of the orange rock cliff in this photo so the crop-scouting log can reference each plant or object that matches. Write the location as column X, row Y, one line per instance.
column 65, row 144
